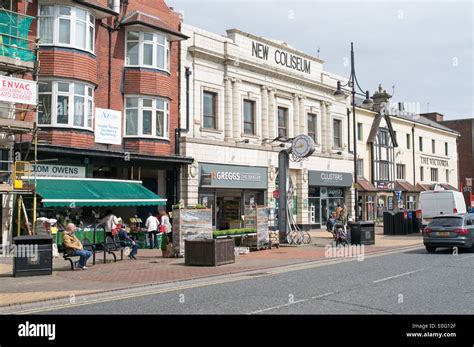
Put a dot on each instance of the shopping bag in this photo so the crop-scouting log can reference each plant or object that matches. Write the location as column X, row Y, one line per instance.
column 55, row 251
column 127, row 251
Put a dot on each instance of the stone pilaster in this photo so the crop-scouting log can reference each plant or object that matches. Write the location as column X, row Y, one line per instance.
column 302, row 196
column 272, row 114
column 189, row 184
column 265, row 123
column 228, row 108
column 303, row 117
column 236, row 110
column 296, row 116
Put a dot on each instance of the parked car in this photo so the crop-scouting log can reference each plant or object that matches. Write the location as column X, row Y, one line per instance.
column 439, row 202
column 455, row 230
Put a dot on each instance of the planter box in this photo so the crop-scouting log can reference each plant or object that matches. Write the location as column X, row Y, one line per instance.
column 190, row 224
column 209, row 252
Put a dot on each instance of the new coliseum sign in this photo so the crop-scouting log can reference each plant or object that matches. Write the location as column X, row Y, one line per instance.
column 280, row 57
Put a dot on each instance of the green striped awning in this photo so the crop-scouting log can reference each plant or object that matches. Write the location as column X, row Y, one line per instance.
column 72, row 192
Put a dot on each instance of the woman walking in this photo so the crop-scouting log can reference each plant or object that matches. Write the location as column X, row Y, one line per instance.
column 165, row 223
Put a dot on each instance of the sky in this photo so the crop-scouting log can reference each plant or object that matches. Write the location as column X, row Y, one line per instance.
column 422, row 52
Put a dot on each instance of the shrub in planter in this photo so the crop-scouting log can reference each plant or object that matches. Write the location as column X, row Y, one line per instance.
column 234, row 232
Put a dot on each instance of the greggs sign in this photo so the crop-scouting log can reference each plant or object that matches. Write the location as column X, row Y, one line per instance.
column 232, row 176
column 17, row 91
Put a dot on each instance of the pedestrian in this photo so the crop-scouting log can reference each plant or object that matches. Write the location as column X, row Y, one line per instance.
column 110, row 221
column 166, row 224
column 72, row 246
column 129, row 242
column 338, row 211
column 151, row 225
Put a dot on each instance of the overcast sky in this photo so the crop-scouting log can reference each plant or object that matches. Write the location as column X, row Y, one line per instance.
column 424, row 48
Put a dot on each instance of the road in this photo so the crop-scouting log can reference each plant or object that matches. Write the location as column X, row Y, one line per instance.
column 408, row 282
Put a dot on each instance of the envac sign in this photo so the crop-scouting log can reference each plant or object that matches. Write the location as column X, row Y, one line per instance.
column 17, row 91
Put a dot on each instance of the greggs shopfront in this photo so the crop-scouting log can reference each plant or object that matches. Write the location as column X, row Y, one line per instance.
column 227, row 189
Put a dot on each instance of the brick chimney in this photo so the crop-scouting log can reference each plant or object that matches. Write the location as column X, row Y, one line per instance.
column 434, row 116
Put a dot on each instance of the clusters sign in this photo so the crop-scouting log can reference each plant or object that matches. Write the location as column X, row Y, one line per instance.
column 108, row 126
column 330, row 179
column 17, row 90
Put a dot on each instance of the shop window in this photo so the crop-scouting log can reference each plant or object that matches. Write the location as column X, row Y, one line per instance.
column 337, row 133
column 209, row 101
column 411, row 203
column 65, row 104
column 434, row 175
column 147, row 117
column 249, row 117
column 314, row 192
column 66, row 26
column 335, row 193
column 370, row 207
column 401, row 171
column 313, row 126
column 147, row 49
column 282, row 121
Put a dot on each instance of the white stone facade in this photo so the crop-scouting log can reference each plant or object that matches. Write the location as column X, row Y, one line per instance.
column 236, row 68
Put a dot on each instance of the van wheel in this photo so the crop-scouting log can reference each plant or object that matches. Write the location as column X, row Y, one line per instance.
column 430, row 249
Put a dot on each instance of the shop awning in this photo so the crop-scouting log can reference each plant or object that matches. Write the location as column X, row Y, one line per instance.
column 405, row 186
column 365, row 185
column 79, row 192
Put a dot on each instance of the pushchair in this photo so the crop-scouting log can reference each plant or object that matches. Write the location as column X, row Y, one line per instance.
column 339, row 232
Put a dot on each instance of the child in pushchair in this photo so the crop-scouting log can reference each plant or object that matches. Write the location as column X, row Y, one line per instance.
column 338, row 230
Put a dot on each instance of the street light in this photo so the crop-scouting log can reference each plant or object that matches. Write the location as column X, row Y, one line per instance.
column 367, row 103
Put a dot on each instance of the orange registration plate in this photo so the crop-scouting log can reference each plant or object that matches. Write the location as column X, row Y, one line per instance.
column 442, row 233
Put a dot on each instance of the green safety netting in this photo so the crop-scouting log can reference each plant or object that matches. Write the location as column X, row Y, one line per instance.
column 14, row 30
column 95, row 192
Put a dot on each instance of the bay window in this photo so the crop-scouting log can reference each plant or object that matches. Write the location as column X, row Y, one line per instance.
column 66, row 26
column 147, row 49
column 146, row 117
column 65, row 104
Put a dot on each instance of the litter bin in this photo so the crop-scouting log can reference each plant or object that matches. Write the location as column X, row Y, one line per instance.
column 33, row 256
column 367, row 233
column 354, row 233
column 400, row 223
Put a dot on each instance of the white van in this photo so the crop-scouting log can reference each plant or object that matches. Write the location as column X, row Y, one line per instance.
column 439, row 202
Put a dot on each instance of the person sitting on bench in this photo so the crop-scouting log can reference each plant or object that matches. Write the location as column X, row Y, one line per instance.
column 73, row 247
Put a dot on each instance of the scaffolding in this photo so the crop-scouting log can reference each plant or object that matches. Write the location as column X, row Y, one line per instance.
column 18, row 58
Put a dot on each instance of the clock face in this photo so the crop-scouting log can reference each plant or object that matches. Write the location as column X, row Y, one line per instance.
column 303, row 146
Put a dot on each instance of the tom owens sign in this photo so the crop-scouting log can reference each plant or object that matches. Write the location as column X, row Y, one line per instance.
column 44, row 170
column 283, row 58
column 17, row 91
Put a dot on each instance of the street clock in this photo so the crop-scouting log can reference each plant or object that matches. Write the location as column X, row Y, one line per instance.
column 302, row 146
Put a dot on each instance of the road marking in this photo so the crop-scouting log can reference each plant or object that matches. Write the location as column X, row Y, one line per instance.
column 239, row 277
column 396, row 276
column 322, row 295
column 290, row 303
column 469, row 256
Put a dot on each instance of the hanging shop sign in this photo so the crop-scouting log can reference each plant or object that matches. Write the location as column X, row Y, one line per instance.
column 232, row 176
column 330, row 179
column 47, row 170
column 17, row 90
column 108, row 126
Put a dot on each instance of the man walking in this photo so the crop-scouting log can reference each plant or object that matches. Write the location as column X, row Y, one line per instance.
column 151, row 225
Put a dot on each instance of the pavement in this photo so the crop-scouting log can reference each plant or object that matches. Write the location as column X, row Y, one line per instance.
column 152, row 269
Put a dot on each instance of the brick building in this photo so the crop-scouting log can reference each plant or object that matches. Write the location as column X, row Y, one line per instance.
column 108, row 91
column 465, row 148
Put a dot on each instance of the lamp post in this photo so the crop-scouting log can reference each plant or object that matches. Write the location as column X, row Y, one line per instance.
column 367, row 103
